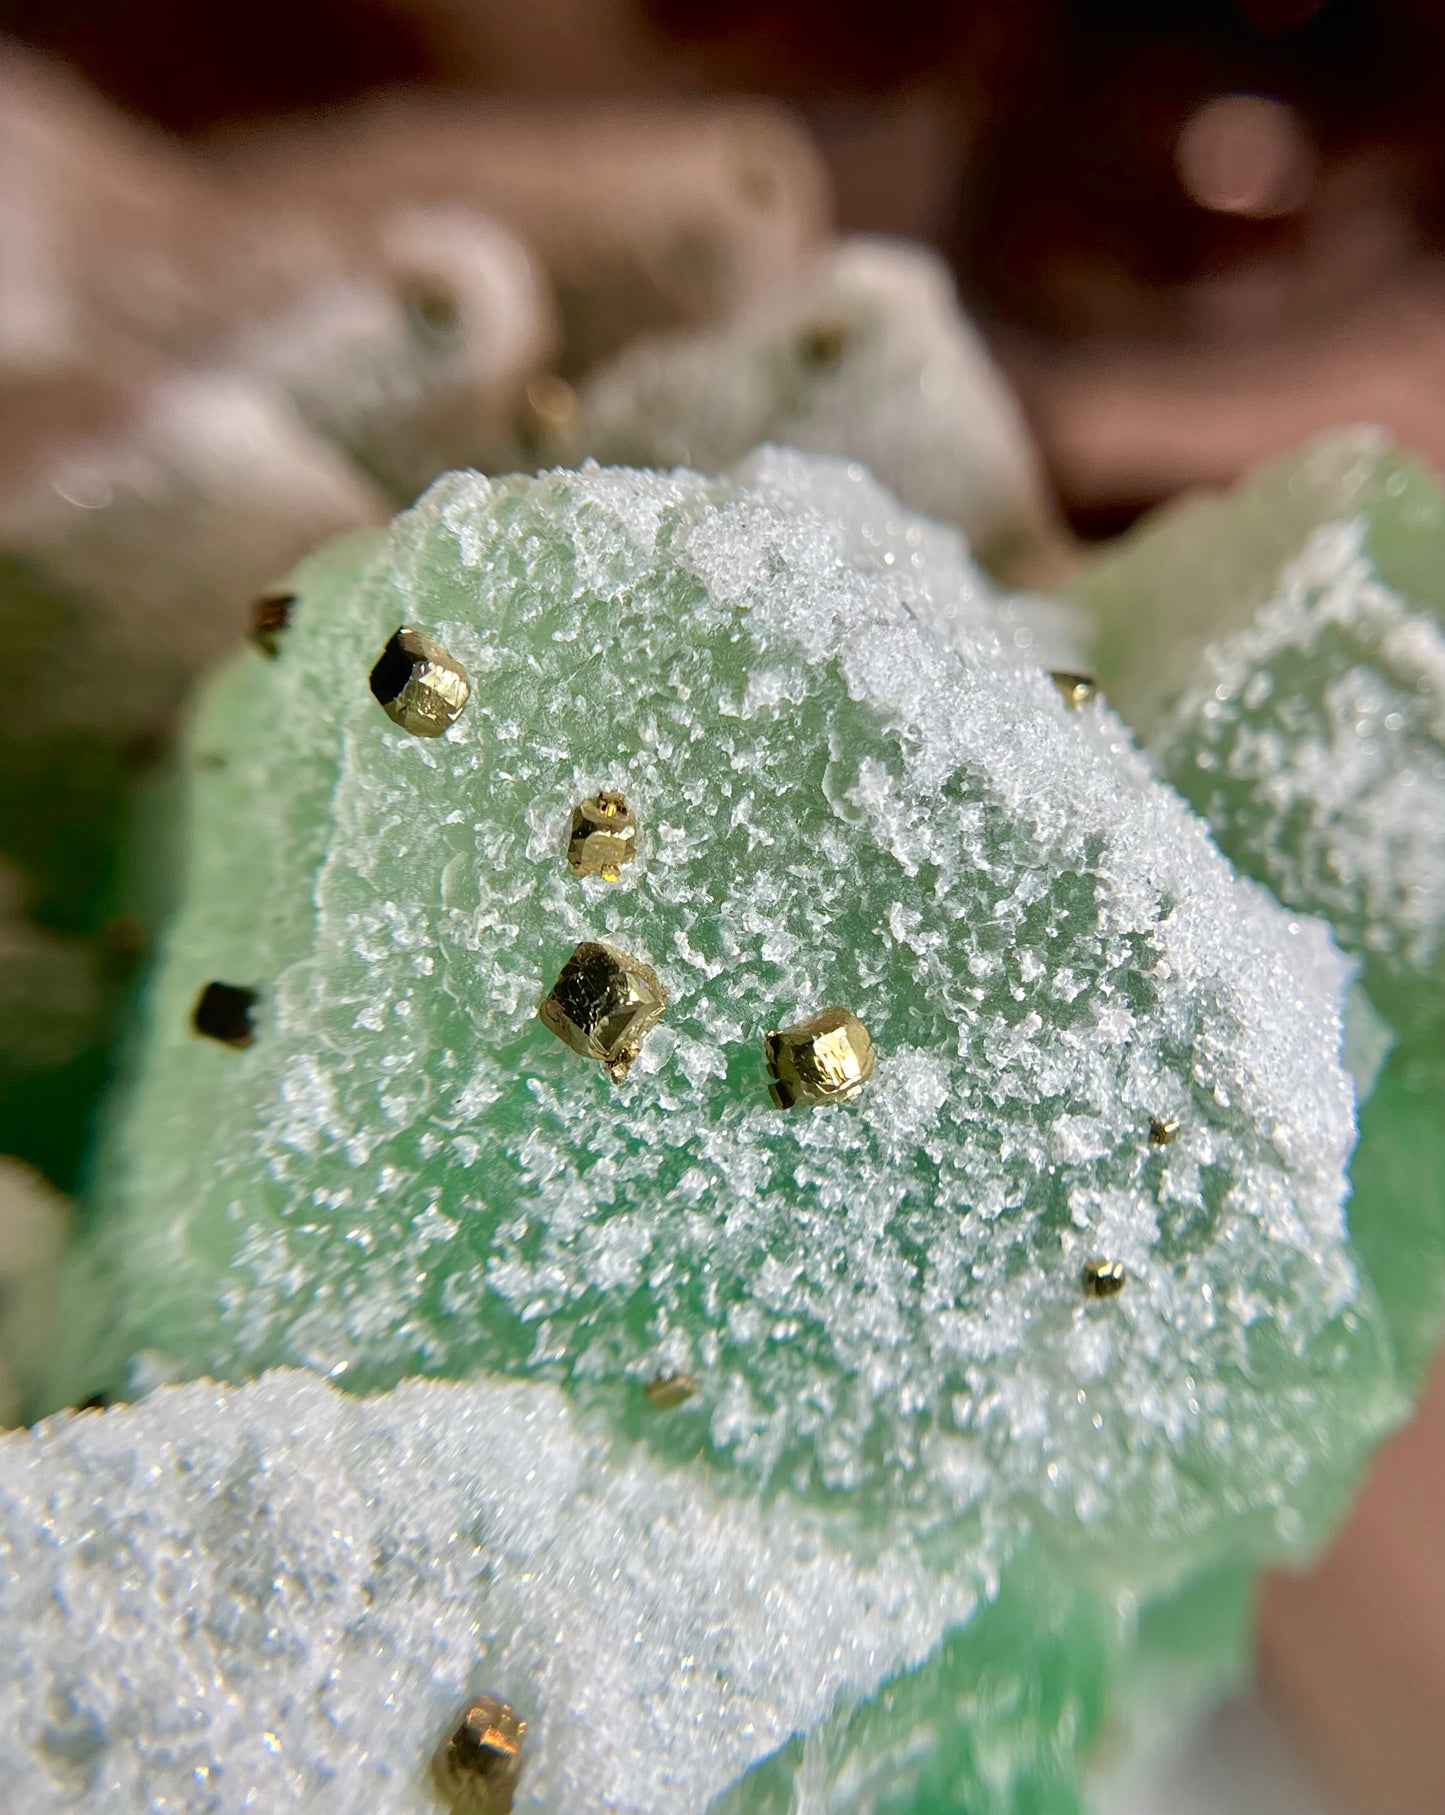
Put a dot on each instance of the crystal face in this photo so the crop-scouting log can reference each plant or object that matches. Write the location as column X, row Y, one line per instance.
column 603, row 1005
column 880, row 1305
column 603, row 837
column 825, row 1059
column 418, row 685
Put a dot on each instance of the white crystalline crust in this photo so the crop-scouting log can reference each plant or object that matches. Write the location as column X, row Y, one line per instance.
column 910, row 392
column 1313, row 739
column 278, row 1598
column 882, row 1304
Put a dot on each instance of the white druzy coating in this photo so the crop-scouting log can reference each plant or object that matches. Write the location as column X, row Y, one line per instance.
column 866, row 357
column 278, row 1598
column 881, row 1303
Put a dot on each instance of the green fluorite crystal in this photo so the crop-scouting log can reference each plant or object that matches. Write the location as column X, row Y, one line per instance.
column 1281, row 653
column 880, row 1301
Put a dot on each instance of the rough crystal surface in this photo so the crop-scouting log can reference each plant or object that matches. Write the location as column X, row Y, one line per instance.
column 865, row 357
column 1282, row 654
column 279, row 1597
column 1281, row 650
column 880, row 1304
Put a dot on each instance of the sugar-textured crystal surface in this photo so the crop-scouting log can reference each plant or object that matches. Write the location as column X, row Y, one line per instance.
column 280, row 1597
column 880, row 1304
column 1281, row 650
column 867, row 357
column 1282, row 654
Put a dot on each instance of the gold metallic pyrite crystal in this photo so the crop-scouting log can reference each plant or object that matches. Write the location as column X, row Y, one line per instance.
column 272, row 613
column 603, row 1005
column 1075, row 689
column 603, row 836
column 478, row 1765
column 823, row 1060
column 1104, row 1278
column 1163, row 1131
column 668, row 1391
column 420, row 687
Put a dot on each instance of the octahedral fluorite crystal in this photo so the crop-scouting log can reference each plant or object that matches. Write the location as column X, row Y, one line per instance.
column 1281, row 652
column 852, row 794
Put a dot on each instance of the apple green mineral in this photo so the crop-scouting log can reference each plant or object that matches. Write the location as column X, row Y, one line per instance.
column 877, row 1293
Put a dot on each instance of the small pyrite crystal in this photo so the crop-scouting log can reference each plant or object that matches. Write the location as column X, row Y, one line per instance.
column 669, row 1390
column 271, row 614
column 603, row 1005
column 603, row 836
column 1075, row 689
column 478, row 1766
column 826, row 1059
column 223, row 1012
column 420, row 687
column 1104, row 1278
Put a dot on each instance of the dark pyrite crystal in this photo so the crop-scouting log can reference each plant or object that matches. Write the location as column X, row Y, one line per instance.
column 272, row 615
column 1104, row 1278
column 223, row 1012
column 479, row 1763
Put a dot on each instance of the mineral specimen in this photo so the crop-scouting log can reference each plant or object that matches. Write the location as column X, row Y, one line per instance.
column 856, row 791
column 1282, row 653
column 868, row 357
column 880, row 1305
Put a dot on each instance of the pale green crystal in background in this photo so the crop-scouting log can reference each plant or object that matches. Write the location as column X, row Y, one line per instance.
column 880, row 1302
column 1281, row 654
column 866, row 356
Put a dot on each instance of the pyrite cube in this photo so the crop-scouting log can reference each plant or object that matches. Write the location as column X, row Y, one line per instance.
column 1104, row 1278
column 477, row 1766
column 827, row 1059
column 419, row 685
column 603, row 836
column 603, row 1005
